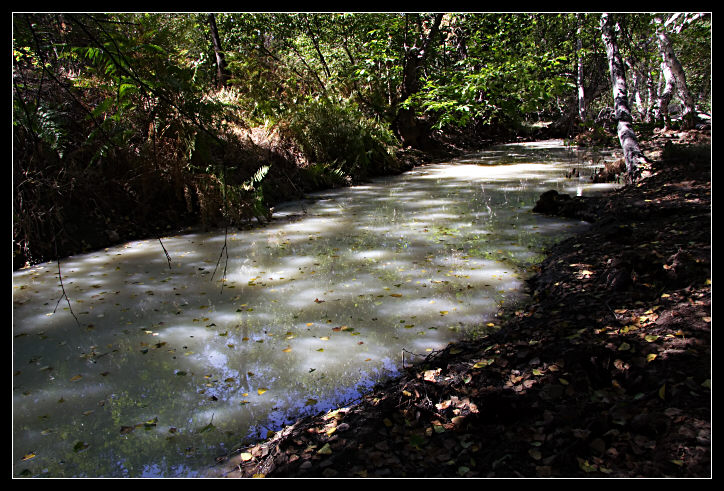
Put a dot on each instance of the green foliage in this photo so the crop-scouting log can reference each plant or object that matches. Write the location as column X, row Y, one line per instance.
column 339, row 137
column 510, row 71
column 132, row 96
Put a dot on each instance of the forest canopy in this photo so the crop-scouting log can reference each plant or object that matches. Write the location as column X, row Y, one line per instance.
column 139, row 122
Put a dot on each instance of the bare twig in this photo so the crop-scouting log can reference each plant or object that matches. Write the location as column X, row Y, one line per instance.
column 226, row 263
column 62, row 287
column 168, row 258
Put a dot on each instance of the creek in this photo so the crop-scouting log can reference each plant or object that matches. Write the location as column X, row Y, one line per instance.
column 167, row 368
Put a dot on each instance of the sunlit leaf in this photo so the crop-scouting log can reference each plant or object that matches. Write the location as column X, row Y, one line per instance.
column 245, row 456
column 483, row 363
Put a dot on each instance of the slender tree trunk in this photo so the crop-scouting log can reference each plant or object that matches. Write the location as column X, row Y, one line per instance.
column 674, row 73
column 629, row 143
column 666, row 92
column 636, row 81
column 579, row 75
column 222, row 73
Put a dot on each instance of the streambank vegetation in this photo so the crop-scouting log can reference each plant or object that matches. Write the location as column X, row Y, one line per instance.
column 130, row 125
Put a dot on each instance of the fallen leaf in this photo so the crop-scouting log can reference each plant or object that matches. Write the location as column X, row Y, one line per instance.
column 483, row 363
column 80, row 446
column 206, row 428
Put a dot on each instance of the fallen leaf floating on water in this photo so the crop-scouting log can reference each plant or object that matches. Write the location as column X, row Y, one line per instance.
column 80, row 446
column 206, row 428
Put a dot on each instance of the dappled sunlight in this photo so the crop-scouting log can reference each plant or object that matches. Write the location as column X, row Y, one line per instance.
column 177, row 364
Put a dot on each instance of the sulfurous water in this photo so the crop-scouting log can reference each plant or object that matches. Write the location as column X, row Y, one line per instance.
column 166, row 369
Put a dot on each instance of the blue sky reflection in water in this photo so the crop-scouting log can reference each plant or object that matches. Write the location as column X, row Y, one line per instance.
column 168, row 371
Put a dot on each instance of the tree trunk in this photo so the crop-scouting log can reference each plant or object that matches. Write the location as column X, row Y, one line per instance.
column 222, row 73
column 631, row 151
column 407, row 125
column 675, row 76
column 579, row 74
column 666, row 91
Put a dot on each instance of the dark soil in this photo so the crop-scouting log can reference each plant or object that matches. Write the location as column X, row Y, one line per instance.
column 605, row 373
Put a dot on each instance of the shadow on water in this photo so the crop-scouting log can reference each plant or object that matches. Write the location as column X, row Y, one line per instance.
column 167, row 370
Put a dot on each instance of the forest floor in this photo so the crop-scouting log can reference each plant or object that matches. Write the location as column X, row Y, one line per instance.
column 604, row 373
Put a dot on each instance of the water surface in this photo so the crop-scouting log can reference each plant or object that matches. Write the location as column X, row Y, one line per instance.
column 168, row 368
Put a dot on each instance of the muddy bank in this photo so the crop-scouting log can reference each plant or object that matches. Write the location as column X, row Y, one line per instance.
column 606, row 373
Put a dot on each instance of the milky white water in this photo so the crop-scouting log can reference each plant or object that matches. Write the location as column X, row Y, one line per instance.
column 167, row 370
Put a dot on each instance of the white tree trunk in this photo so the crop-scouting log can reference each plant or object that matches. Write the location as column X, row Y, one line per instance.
column 630, row 145
column 579, row 75
column 666, row 92
column 674, row 73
